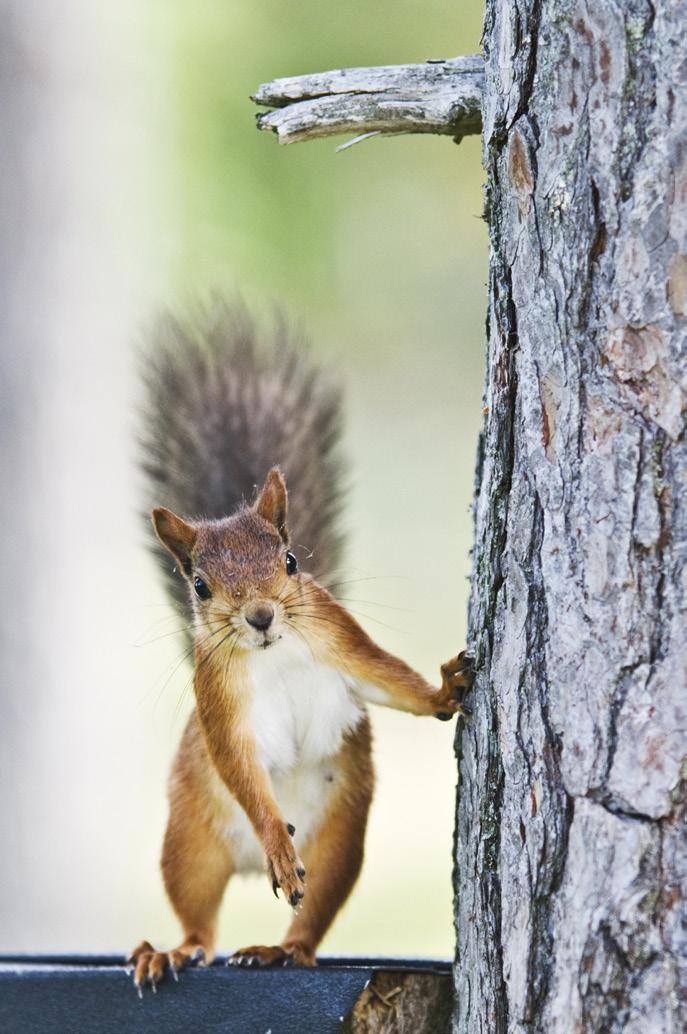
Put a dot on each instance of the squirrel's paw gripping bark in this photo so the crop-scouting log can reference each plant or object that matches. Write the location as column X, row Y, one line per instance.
column 260, row 955
column 284, row 867
column 150, row 966
column 457, row 676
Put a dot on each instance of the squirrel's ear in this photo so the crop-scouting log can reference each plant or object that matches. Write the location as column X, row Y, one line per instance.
column 176, row 535
column 273, row 502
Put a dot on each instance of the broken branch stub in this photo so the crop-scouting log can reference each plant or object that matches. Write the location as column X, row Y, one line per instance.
column 443, row 97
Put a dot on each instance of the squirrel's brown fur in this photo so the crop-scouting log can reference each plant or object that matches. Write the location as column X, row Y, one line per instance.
column 282, row 677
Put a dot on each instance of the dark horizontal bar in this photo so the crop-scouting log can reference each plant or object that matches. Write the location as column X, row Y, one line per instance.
column 94, row 994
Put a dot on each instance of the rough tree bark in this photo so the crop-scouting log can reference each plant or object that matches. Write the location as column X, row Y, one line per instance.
column 571, row 842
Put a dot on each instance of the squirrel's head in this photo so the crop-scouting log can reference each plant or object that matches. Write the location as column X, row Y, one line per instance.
column 241, row 574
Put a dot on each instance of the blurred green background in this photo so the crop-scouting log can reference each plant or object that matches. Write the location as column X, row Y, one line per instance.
column 142, row 183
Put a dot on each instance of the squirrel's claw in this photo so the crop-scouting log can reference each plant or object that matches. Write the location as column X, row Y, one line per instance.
column 284, row 867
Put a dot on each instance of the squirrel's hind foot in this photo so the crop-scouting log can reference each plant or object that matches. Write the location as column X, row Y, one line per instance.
column 261, row 956
column 150, row 966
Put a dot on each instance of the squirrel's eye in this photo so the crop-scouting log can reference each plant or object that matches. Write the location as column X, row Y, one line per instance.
column 291, row 563
column 201, row 588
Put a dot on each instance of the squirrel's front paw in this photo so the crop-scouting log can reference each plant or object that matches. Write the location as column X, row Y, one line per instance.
column 284, row 867
column 457, row 676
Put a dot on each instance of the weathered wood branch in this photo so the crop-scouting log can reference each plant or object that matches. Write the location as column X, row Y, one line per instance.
column 441, row 97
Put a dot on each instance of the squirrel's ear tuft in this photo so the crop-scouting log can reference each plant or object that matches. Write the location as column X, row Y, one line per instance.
column 273, row 502
column 176, row 535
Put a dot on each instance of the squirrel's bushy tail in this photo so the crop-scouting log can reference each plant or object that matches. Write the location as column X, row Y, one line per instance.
column 222, row 408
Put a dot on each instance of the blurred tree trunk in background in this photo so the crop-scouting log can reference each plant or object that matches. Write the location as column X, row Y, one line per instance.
column 571, row 850
column 18, row 677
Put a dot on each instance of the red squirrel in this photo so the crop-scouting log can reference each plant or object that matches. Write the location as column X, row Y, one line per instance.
column 274, row 770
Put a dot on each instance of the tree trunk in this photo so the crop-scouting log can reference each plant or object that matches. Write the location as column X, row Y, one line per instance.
column 571, row 851
column 20, row 377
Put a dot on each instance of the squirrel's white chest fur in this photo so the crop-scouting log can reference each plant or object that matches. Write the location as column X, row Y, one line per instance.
column 299, row 713
column 300, row 709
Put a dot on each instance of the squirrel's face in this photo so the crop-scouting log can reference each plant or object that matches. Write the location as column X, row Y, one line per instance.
column 242, row 576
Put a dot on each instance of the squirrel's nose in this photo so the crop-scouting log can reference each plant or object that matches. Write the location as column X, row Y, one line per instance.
column 259, row 615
